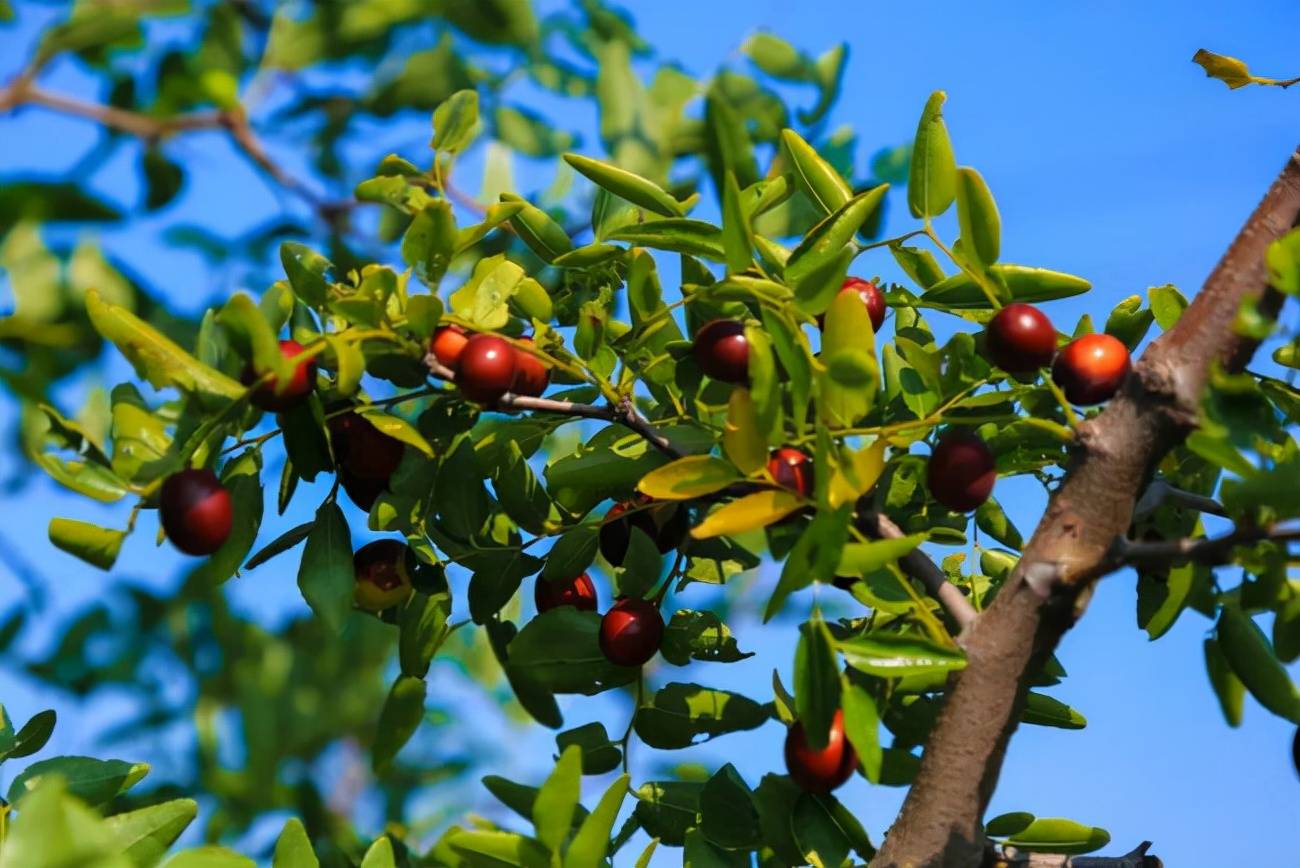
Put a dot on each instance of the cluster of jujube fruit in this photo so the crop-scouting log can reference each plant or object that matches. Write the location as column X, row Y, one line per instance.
column 487, row 366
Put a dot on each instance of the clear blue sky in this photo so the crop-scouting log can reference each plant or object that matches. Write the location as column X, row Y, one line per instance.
column 1111, row 156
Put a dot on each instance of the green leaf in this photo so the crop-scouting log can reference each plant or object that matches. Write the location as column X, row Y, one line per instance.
column 559, row 650
column 750, row 512
column 325, row 575
column 1228, row 688
column 703, row 636
column 56, row 830
column 688, row 478
column 429, row 245
column 591, row 843
column 816, row 682
column 31, row 738
column 977, row 214
column 741, row 439
column 572, row 553
column 897, row 655
column 1055, row 835
column 820, row 837
column 737, row 236
column 676, row 235
column 932, row 180
column 599, row 754
column 380, row 855
column 824, row 242
column 1167, row 304
column 1284, row 263
column 668, row 809
column 483, row 299
column 546, row 237
column 728, row 815
column 455, row 122
column 93, row 781
column 553, row 808
column 253, row 336
column 398, row 720
column 813, row 558
column 529, row 133
column 145, row 834
column 155, row 357
column 818, row 180
column 1008, row 824
column 1129, row 321
column 209, row 856
column 491, row 848
column 97, row 546
column 293, row 848
column 862, row 727
column 990, row 518
column 422, row 628
column 281, row 544
column 1251, row 657
column 848, row 343
column 1025, row 284
column 305, row 269
column 920, row 265
column 640, row 191
column 397, row 428
column 680, row 715
column 1043, row 710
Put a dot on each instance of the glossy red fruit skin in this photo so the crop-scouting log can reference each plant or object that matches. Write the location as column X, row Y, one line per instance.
column 961, row 471
column 362, row 449
column 531, row 376
column 300, row 385
column 1091, row 368
column 665, row 523
column 820, row 771
column 447, row 343
column 792, row 469
column 722, row 350
column 487, row 369
column 579, row 592
column 361, row 490
column 631, row 631
column 380, row 573
column 1021, row 339
column 871, row 296
column 195, row 511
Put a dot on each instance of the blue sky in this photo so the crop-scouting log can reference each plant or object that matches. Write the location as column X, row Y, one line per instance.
column 1111, row 156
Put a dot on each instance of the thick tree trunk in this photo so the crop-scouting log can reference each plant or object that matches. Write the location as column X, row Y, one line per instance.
column 941, row 820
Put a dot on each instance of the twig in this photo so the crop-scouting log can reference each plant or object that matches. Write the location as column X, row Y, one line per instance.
column 1013, row 857
column 1206, row 550
column 919, row 566
column 624, row 413
column 1160, row 492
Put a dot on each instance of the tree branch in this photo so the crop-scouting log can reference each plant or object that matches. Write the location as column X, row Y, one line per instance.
column 1160, row 492
column 940, row 823
column 1013, row 857
column 1206, row 550
column 919, row 566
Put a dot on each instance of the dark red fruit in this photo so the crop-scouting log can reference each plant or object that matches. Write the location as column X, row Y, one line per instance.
column 362, row 490
column 447, row 343
column 871, row 296
column 665, row 523
column 362, row 449
column 382, row 577
column 1090, row 369
column 961, row 471
column 631, row 631
column 792, row 469
column 820, row 771
column 1021, row 339
column 580, row 593
column 195, row 510
column 531, row 376
column 269, row 396
column 487, row 369
column 722, row 350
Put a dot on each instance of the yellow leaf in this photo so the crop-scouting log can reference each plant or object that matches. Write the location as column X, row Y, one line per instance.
column 741, row 440
column 687, row 478
column 751, row 512
column 856, row 478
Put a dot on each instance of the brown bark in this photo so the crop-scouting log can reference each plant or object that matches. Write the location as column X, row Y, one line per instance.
column 940, row 822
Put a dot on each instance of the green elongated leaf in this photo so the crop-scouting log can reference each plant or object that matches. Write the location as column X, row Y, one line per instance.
column 532, row 301
column 737, row 236
column 422, row 628
column 728, row 815
column 31, row 738
column 741, row 438
column 400, row 717
column 699, row 636
column 529, row 133
column 776, row 57
column 1228, row 688
column 155, row 357
column 1056, row 835
column 599, row 754
column 897, row 655
column 94, row 781
column 668, row 809
column 1284, row 263
column 559, row 651
column 676, row 235
column 932, row 179
column 209, row 856
column 640, row 191
column 145, row 834
column 818, row 180
column 556, row 800
column 546, row 237
column 977, row 214
column 679, row 715
column 380, row 855
column 1044, row 710
column 325, row 573
column 688, row 478
column 281, row 544
column 397, row 428
column 1025, row 284
column 253, row 336
column 455, row 122
column 790, row 346
column 1129, row 321
column 293, row 848
column 572, row 553
column 829, row 237
column 990, row 518
column 590, row 844
column 430, row 243
column 351, row 365
column 820, row 837
column 1251, row 657
column 813, row 558
column 862, row 726
column 816, row 682
column 97, row 546
column 491, row 848
column 920, row 265
column 1008, row 824
column 750, row 512
column 306, row 270
column 848, row 343
column 1167, row 304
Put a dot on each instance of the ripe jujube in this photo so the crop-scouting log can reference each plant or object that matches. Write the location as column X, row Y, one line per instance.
column 268, row 395
column 362, row 449
column 531, row 375
column 362, row 490
column 447, row 343
column 1091, row 368
column 722, row 350
column 195, row 511
column 630, row 632
column 486, row 369
column 820, row 771
column 961, row 471
column 1021, row 338
column 792, row 469
column 382, row 575
column 665, row 523
column 578, row 592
